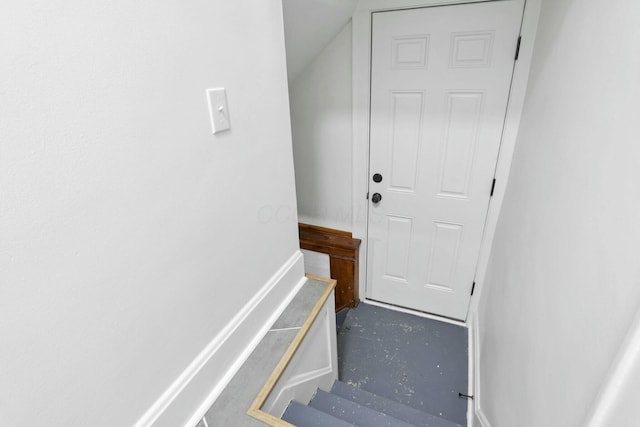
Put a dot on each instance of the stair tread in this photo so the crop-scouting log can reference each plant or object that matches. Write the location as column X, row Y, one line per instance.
column 353, row 412
column 305, row 416
column 392, row 408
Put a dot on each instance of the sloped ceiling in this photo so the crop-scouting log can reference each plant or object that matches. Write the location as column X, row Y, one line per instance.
column 309, row 25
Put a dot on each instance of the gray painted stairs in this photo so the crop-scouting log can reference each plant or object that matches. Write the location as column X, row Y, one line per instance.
column 306, row 416
column 396, row 370
column 419, row 362
column 346, row 405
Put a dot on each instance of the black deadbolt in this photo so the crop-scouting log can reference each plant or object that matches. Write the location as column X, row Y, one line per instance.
column 377, row 177
column 376, row 197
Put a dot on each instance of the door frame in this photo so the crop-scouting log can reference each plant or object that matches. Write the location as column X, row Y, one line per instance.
column 361, row 72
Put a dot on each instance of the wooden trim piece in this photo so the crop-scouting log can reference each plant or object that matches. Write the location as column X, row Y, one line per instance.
column 255, row 410
column 343, row 251
column 324, row 229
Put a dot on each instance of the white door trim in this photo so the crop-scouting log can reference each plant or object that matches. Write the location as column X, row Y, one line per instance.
column 361, row 106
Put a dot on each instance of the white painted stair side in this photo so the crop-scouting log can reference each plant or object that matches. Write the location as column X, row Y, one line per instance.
column 315, row 364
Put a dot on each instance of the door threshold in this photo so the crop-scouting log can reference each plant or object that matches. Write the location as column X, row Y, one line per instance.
column 415, row 313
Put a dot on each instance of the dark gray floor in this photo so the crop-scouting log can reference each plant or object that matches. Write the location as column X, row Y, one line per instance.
column 340, row 318
column 416, row 361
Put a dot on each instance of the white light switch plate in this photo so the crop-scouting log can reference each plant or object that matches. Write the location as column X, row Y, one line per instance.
column 218, row 109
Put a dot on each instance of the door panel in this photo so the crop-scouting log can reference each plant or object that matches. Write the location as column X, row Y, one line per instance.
column 399, row 232
column 406, row 119
column 440, row 79
column 464, row 113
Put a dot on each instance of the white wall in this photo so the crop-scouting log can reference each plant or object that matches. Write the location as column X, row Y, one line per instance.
column 321, row 124
column 129, row 234
column 309, row 26
column 316, row 263
column 562, row 285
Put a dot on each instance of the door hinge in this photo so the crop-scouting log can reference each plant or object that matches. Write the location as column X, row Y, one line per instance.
column 367, row 195
column 473, row 288
column 518, row 47
column 493, row 187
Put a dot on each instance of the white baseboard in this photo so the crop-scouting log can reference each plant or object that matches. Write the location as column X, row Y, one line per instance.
column 616, row 402
column 482, row 418
column 471, row 389
column 479, row 418
column 414, row 312
column 186, row 401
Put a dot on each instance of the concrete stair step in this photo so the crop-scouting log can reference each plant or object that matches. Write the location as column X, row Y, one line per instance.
column 304, row 416
column 353, row 412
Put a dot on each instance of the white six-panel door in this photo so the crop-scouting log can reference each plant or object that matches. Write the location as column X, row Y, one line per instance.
column 440, row 79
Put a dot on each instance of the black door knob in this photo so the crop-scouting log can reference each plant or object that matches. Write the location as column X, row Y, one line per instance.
column 376, row 197
column 377, row 177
